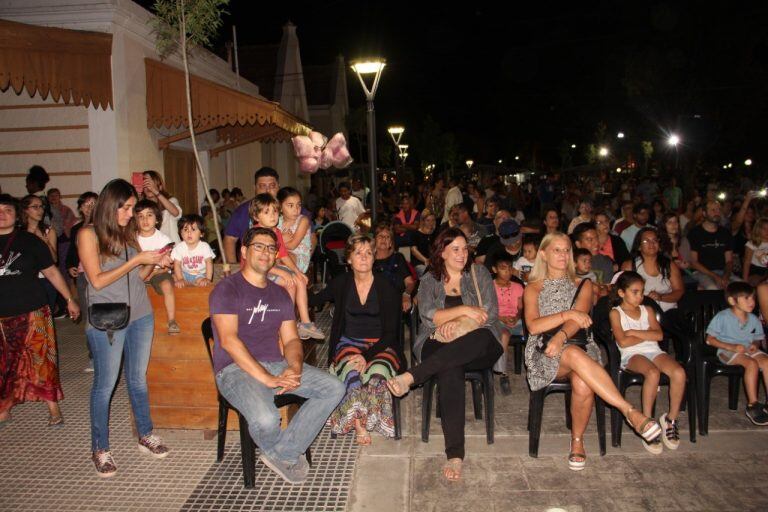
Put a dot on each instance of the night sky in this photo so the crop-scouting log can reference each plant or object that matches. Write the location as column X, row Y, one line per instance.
column 530, row 79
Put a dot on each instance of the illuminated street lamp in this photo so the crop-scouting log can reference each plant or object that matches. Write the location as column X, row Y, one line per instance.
column 367, row 68
column 396, row 132
column 673, row 140
column 402, row 148
column 573, row 146
column 748, row 162
column 603, row 151
column 517, row 157
column 470, row 163
column 620, row 135
column 501, row 161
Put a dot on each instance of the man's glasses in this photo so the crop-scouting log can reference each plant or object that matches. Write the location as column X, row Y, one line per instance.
column 260, row 247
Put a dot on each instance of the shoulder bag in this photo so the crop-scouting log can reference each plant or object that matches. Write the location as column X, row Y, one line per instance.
column 465, row 323
column 580, row 338
column 110, row 316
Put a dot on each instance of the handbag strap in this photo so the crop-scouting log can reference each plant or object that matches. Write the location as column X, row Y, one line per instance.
column 477, row 288
column 578, row 291
column 127, row 281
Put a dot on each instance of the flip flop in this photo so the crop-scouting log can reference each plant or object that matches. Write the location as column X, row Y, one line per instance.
column 56, row 421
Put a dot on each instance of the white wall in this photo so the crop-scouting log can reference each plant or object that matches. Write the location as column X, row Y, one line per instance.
column 65, row 150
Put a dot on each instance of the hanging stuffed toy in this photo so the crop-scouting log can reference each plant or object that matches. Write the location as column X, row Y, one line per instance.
column 316, row 152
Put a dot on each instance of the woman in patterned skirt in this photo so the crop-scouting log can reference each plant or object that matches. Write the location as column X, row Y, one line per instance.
column 550, row 308
column 28, row 358
column 364, row 347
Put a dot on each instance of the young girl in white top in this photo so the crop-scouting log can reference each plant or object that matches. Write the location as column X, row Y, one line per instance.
column 755, row 266
column 295, row 227
column 192, row 258
column 638, row 333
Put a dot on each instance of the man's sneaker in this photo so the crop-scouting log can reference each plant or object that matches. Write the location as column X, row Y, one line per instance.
column 173, row 327
column 670, row 437
column 295, row 473
column 756, row 414
column 654, row 446
column 153, row 445
column 310, row 330
column 506, row 388
column 105, row 464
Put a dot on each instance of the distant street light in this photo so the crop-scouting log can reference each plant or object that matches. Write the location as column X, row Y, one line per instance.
column 573, row 146
column 396, row 132
column 501, row 161
column 673, row 140
column 371, row 67
column 517, row 157
column 620, row 135
column 603, row 151
column 748, row 162
column 470, row 163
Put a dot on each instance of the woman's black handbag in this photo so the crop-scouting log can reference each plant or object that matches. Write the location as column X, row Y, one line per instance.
column 111, row 316
column 580, row 338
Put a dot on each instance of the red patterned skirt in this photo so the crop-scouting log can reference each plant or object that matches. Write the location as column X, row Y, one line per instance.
column 28, row 359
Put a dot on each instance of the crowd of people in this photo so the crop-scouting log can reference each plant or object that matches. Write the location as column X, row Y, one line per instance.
column 478, row 263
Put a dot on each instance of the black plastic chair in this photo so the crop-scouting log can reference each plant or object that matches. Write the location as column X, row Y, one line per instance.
column 708, row 366
column 247, row 445
column 482, row 392
column 536, row 410
column 624, row 378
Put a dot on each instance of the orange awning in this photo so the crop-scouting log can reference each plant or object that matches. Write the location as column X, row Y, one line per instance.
column 72, row 66
column 239, row 118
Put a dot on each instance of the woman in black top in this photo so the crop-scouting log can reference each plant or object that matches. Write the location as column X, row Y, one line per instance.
column 365, row 348
column 28, row 359
column 392, row 264
column 85, row 205
column 422, row 241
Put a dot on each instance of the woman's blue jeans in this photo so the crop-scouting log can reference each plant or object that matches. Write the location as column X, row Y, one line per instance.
column 135, row 341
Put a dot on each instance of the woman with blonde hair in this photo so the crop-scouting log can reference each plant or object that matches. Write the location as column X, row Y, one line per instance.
column 755, row 264
column 556, row 309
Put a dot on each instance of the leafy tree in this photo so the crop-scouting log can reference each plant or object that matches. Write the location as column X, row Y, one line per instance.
column 179, row 26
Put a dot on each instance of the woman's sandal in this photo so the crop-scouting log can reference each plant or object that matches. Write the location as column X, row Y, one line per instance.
column 649, row 429
column 6, row 421
column 397, row 385
column 56, row 421
column 576, row 460
column 363, row 439
column 452, row 470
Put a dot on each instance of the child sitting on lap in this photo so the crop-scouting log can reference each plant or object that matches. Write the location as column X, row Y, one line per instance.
column 192, row 258
column 737, row 334
column 263, row 211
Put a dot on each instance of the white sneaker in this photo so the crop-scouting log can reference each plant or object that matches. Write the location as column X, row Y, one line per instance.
column 670, row 437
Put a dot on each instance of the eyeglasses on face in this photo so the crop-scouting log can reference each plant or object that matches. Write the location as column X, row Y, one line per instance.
column 260, row 247
column 35, row 206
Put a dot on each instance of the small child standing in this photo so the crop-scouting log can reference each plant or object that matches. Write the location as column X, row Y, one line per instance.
column 295, row 227
column 192, row 258
column 737, row 334
column 523, row 265
column 638, row 333
column 263, row 212
column 510, row 299
column 150, row 238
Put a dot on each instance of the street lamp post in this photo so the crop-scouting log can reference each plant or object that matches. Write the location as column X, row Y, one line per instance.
column 396, row 133
column 371, row 67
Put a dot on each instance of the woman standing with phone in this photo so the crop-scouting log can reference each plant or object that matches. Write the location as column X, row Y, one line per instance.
column 115, row 269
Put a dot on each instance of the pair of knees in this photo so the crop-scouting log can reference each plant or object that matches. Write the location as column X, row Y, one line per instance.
column 676, row 376
column 754, row 365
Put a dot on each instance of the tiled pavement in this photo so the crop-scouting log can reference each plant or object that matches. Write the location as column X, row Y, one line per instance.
column 43, row 469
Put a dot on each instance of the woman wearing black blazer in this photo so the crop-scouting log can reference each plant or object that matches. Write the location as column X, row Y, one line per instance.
column 365, row 348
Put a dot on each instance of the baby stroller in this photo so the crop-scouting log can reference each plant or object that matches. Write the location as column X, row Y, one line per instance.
column 330, row 249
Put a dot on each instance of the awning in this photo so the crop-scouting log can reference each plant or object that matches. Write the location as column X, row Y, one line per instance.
column 237, row 117
column 72, row 66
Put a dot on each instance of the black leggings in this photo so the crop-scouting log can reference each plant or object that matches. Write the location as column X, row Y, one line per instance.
column 474, row 351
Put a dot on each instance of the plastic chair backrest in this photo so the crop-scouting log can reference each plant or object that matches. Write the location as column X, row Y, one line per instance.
column 207, row 330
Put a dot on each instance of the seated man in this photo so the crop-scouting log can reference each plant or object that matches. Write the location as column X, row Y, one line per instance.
column 249, row 312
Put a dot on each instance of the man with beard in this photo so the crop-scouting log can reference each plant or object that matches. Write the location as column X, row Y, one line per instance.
column 711, row 250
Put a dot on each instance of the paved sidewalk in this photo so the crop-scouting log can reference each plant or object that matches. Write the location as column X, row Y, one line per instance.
column 44, row 469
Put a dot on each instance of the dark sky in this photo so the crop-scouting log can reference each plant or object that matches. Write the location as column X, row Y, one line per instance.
column 526, row 79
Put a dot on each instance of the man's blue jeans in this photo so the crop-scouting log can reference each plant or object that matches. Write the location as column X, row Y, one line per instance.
column 135, row 341
column 255, row 401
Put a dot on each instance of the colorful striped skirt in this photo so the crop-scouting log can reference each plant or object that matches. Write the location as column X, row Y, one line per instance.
column 367, row 400
column 28, row 359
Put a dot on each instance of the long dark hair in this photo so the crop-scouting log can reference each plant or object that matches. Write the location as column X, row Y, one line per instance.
column 662, row 260
column 114, row 239
column 25, row 202
column 624, row 281
column 443, row 240
column 666, row 244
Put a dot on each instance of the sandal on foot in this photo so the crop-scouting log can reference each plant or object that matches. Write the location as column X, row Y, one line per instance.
column 452, row 466
column 363, row 439
column 576, row 460
column 649, row 429
column 5, row 422
column 397, row 386
column 56, row 421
